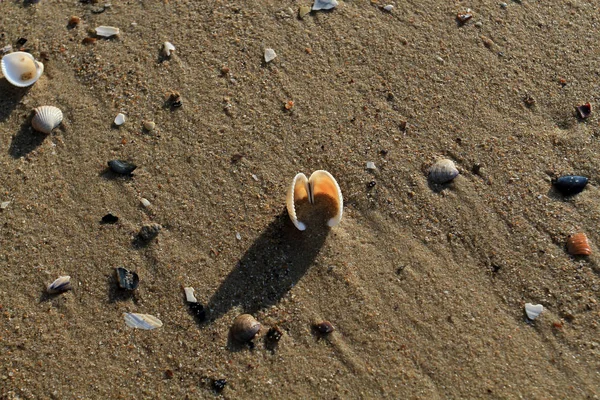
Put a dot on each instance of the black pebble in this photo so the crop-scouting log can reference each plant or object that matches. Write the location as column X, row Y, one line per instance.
column 121, row 167
column 570, row 185
column 109, row 219
column 149, row 232
column 22, row 41
column 371, row 185
column 219, row 384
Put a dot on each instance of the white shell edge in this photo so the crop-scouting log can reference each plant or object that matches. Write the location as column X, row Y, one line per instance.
column 338, row 217
column 189, row 295
column 290, row 200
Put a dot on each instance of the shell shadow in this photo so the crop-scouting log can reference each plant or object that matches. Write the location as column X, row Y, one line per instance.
column 11, row 97
column 274, row 263
column 25, row 140
column 439, row 187
column 110, row 175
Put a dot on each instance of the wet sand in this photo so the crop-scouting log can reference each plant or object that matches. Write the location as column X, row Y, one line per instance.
column 425, row 284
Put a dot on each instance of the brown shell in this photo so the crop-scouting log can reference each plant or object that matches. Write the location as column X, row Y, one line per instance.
column 578, row 245
column 244, row 327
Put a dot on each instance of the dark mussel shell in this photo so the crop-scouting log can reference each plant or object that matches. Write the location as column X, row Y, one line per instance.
column 109, row 219
column 121, row 167
column 128, row 280
column 570, row 185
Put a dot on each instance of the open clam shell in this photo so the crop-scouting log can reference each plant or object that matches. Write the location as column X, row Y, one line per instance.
column 321, row 184
column 21, row 69
column 443, row 171
column 46, row 118
column 244, row 328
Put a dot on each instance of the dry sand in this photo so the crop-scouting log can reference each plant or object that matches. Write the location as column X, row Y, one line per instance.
column 424, row 284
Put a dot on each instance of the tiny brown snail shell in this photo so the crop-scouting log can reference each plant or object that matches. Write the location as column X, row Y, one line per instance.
column 244, row 328
column 578, row 245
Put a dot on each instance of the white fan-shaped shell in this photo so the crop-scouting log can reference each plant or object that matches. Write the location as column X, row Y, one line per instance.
column 320, row 181
column 142, row 321
column 443, row 171
column 533, row 310
column 21, row 69
column 46, row 118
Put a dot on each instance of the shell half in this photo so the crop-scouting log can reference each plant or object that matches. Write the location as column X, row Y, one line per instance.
column 142, row 321
column 21, row 69
column 320, row 184
column 62, row 284
column 443, row 171
column 46, row 118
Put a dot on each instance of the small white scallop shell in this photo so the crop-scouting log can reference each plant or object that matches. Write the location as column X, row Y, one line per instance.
column 142, row 321
column 533, row 310
column 120, row 119
column 21, row 69
column 320, row 183
column 62, row 284
column 46, row 118
column 443, row 171
column 107, row 31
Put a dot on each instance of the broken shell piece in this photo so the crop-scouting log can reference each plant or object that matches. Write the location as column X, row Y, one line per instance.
column 270, row 55
column 46, row 118
column 145, row 202
column 167, row 49
column 443, row 171
column 584, row 111
column 371, row 165
column 321, row 186
column 578, row 245
column 20, row 69
column 142, row 321
column 244, row 328
column 121, row 167
column 303, row 11
column 107, row 31
column 120, row 119
column 128, row 280
column 464, row 17
column 388, row 8
column 324, row 4
column 62, row 284
column 533, row 310
column 149, row 125
column 189, row 295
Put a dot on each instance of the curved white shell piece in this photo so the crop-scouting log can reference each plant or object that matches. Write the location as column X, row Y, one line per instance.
column 46, row 118
column 142, row 321
column 324, row 4
column 107, row 31
column 62, row 284
column 443, row 171
column 21, row 69
column 320, row 182
column 533, row 310
column 189, row 295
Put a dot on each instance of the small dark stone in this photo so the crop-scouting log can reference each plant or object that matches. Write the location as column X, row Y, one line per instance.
column 21, row 41
column 476, row 168
column 121, row 167
column 169, row 374
column 149, row 232
column 384, row 152
column 570, row 185
column 197, row 311
column 324, row 327
column 128, row 280
column 371, row 185
column 272, row 338
column 219, row 384
column 109, row 219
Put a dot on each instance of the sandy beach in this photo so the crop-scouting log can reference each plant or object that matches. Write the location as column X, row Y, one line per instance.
column 424, row 283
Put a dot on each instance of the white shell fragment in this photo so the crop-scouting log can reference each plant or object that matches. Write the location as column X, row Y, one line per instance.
column 145, row 202
column 320, row 183
column 270, row 55
column 107, row 31
column 149, row 125
column 371, row 165
column 388, row 8
column 46, row 118
column 324, row 4
column 20, row 69
column 120, row 119
column 62, row 284
column 4, row 204
column 142, row 321
column 533, row 310
column 167, row 49
column 443, row 171
column 189, row 295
